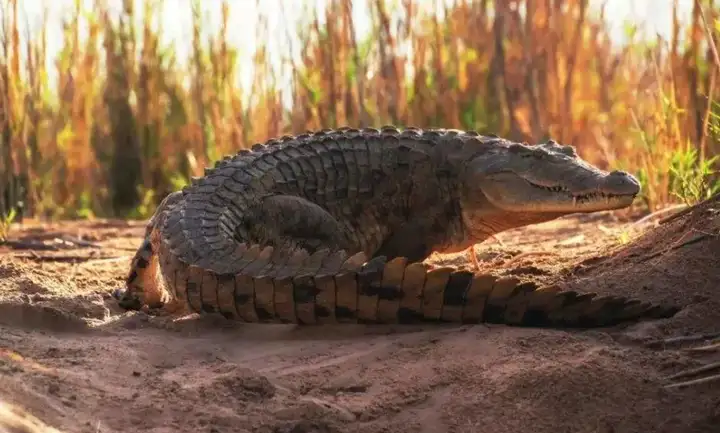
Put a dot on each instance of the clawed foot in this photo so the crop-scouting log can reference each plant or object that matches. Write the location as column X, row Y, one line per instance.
column 707, row 373
column 129, row 302
column 125, row 299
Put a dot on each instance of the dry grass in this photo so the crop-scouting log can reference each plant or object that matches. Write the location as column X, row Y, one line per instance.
column 127, row 124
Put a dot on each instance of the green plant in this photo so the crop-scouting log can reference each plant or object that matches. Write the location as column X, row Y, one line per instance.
column 5, row 222
column 691, row 177
column 146, row 207
column 714, row 120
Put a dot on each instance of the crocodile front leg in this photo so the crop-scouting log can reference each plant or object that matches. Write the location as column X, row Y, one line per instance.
column 410, row 242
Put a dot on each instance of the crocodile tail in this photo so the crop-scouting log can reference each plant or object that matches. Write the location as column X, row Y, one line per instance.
column 143, row 284
column 281, row 286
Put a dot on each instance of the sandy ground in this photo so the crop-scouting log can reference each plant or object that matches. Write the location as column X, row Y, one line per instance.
column 72, row 360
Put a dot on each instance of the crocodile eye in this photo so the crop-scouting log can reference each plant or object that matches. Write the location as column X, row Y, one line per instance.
column 518, row 148
column 569, row 151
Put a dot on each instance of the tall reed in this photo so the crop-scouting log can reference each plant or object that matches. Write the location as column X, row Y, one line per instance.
column 129, row 121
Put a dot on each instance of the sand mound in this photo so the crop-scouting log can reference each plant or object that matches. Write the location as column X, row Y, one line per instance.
column 677, row 262
column 71, row 358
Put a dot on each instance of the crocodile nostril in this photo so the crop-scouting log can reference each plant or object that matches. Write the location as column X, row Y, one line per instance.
column 622, row 182
column 624, row 176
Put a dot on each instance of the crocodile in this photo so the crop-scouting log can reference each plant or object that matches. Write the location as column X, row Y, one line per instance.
column 334, row 226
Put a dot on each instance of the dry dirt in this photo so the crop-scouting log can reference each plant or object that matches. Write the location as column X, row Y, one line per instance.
column 72, row 360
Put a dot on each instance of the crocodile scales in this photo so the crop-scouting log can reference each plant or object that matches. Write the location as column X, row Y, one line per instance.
column 334, row 225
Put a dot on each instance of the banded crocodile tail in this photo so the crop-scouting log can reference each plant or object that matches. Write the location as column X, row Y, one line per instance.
column 273, row 286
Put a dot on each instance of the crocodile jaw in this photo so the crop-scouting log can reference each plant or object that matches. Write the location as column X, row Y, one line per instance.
column 596, row 192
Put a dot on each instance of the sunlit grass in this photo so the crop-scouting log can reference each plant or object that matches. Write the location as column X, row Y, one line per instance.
column 128, row 121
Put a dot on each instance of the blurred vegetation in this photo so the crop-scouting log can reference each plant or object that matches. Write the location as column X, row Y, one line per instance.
column 128, row 122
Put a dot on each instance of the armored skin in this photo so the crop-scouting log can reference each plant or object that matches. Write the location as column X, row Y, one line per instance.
column 333, row 226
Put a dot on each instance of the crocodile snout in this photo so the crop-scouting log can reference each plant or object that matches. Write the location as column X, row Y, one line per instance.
column 622, row 183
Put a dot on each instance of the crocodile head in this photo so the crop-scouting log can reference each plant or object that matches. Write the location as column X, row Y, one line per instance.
column 515, row 184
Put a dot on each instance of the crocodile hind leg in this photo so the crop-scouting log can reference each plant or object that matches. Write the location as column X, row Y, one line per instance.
column 704, row 374
column 300, row 224
column 297, row 223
